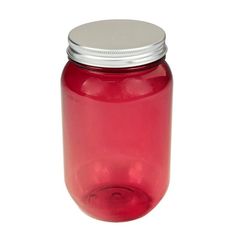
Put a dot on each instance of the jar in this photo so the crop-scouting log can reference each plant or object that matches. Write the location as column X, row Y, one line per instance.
column 116, row 105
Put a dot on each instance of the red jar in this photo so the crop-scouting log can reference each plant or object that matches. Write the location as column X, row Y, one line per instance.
column 116, row 102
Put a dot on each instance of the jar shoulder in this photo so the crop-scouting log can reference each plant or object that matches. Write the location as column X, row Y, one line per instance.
column 116, row 84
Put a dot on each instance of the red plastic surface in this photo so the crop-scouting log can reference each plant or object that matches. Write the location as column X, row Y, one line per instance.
column 116, row 129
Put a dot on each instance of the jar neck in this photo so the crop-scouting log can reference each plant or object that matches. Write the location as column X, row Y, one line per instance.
column 119, row 70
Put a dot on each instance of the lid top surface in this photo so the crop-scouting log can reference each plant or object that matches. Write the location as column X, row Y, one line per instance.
column 116, row 34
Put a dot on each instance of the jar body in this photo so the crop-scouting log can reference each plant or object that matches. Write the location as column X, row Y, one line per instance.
column 116, row 131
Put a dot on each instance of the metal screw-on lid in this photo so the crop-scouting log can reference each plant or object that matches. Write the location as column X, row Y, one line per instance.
column 116, row 43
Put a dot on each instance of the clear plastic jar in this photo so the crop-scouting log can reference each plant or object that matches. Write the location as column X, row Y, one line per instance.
column 116, row 100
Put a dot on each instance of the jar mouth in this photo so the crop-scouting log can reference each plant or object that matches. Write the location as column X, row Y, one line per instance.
column 116, row 43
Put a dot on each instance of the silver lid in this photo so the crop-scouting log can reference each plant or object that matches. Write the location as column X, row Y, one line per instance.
column 116, row 43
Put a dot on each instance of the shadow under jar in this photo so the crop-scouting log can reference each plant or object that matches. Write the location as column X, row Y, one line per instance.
column 116, row 104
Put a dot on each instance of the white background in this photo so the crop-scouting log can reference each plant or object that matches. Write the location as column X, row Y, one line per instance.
column 201, row 37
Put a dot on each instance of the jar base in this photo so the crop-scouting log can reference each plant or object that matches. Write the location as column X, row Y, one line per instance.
column 117, row 203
